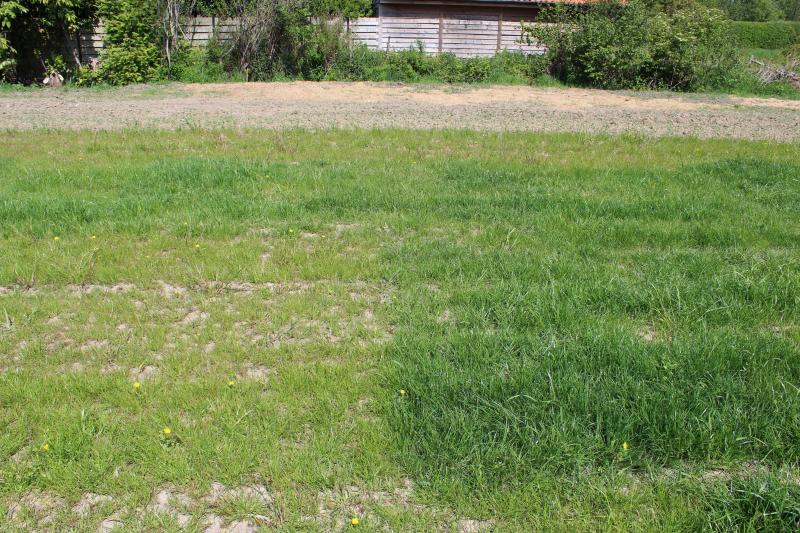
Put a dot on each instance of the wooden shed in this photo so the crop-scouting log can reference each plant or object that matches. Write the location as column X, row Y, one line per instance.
column 465, row 28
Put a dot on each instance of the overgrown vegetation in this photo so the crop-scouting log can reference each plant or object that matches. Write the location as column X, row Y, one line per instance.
column 642, row 44
column 619, row 45
column 276, row 37
column 759, row 10
column 590, row 333
column 131, row 53
column 36, row 36
column 201, row 64
column 768, row 35
column 284, row 43
column 281, row 40
column 414, row 65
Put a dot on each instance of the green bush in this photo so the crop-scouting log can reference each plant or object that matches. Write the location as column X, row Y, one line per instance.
column 131, row 53
column 755, row 10
column 286, row 50
column 319, row 47
column 770, row 35
column 130, row 63
column 628, row 46
column 751, row 10
column 294, row 45
column 414, row 65
column 200, row 64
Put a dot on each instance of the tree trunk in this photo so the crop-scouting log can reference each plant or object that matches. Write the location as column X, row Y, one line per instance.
column 70, row 45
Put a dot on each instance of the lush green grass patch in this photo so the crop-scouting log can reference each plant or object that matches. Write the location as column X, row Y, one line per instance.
column 590, row 332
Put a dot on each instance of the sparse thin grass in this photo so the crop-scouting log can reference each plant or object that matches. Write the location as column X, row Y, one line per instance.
column 15, row 87
column 541, row 299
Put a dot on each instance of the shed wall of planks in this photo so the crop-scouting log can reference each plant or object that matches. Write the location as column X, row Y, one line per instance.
column 468, row 37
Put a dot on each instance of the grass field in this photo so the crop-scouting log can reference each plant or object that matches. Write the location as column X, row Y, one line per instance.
column 420, row 330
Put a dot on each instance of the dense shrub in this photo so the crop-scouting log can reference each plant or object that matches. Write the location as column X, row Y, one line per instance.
column 770, row 35
column 414, row 65
column 279, row 39
column 200, row 64
column 313, row 49
column 131, row 53
column 755, row 10
column 791, row 9
column 628, row 46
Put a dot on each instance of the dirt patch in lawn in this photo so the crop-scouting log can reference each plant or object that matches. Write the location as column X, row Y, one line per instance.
column 320, row 105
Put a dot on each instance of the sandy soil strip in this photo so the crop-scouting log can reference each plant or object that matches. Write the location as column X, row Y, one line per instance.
column 314, row 105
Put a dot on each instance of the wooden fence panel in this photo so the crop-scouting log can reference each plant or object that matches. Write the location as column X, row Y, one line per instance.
column 90, row 42
column 470, row 36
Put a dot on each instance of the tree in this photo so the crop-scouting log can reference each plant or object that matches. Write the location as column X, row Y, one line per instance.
column 33, row 34
column 131, row 51
column 754, row 10
column 8, row 12
column 790, row 8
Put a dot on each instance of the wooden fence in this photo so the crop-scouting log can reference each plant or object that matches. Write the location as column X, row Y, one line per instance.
column 461, row 37
column 90, row 42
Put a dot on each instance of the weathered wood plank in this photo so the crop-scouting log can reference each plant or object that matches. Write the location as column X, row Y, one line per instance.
column 464, row 25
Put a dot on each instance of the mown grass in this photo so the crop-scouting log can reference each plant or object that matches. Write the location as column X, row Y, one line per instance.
column 541, row 299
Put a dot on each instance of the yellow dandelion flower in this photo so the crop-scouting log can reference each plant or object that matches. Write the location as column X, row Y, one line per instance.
column 625, row 445
column 94, row 237
column 231, row 383
column 402, row 392
column 354, row 521
column 197, row 246
column 56, row 238
column 45, row 447
column 167, row 431
column 137, row 385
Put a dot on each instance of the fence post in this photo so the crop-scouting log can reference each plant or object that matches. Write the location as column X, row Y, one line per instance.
column 78, row 44
column 379, row 33
column 441, row 29
column 499, row 31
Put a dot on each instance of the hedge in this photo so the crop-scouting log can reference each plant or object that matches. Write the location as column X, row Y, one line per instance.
column 769, row 35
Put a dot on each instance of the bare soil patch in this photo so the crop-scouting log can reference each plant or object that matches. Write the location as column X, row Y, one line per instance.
column 322, row 105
